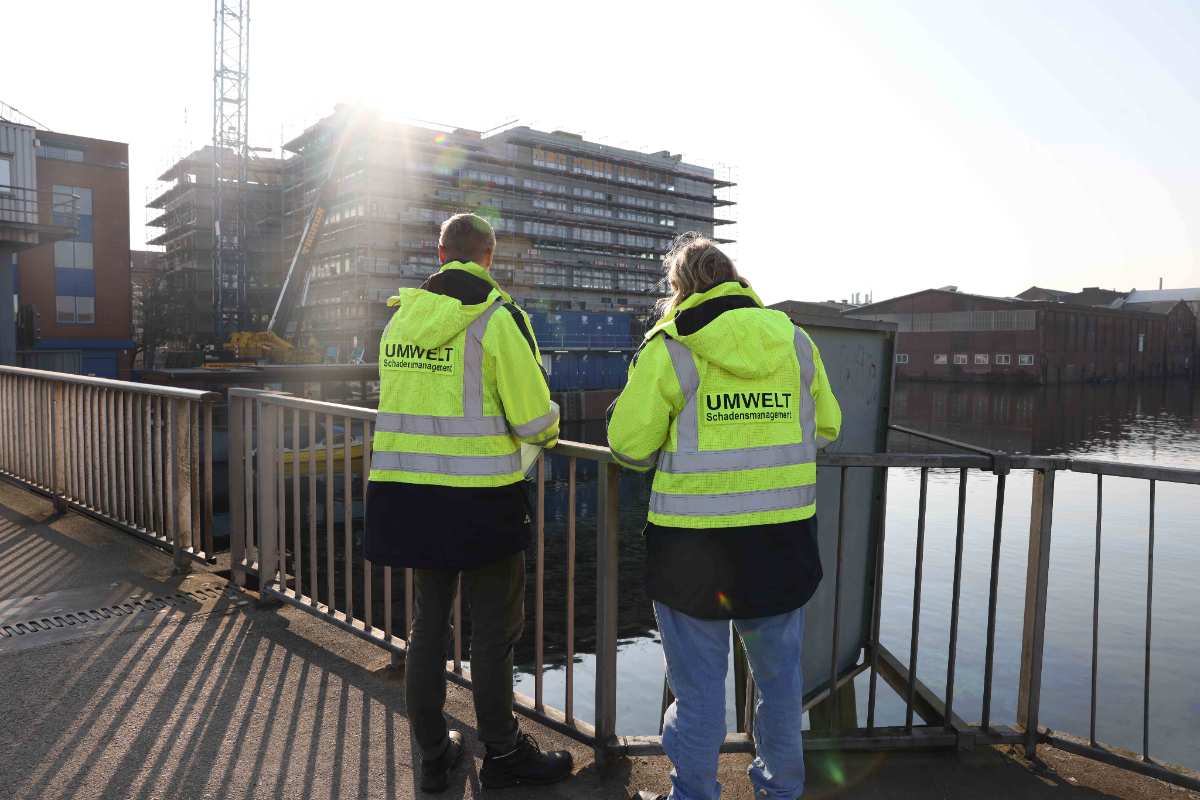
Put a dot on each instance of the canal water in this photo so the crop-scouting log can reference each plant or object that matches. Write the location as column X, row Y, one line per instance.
column 1150, row 423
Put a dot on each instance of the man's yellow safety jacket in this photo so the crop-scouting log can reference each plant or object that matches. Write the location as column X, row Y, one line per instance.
column 461, row 385
column 730, row 402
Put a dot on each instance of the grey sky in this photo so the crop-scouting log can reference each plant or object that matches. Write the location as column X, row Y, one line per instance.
column 985, row 144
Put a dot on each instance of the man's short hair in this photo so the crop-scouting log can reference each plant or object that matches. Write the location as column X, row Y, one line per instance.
column 467, row 237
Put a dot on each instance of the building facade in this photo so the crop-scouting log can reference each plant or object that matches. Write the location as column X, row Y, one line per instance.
column 145, row 275
column 181, row 205
column 1182, row 334
column 581, row 226
column 77, row 288
column 1188, row 296
column 955, row 336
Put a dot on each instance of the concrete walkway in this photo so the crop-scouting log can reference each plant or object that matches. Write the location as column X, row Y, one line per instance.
column 201, row 694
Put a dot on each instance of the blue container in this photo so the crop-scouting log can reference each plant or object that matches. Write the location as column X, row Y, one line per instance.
column 614, row 370
column 587, row 369
column 564, row 372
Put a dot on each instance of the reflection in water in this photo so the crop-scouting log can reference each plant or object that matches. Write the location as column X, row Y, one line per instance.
column 1132, row 419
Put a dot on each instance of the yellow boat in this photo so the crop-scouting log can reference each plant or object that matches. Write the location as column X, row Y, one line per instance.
column 308, row 459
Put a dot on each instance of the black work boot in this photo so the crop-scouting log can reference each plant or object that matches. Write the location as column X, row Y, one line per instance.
column 435, row 772
column 524, row 765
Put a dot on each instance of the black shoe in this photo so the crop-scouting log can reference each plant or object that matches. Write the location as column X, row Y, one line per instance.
column 646, row 794
column 525, row 764
column 435, row 772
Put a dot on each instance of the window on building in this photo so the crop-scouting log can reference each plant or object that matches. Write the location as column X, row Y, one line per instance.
column 75, row 310
column 81, row 195
column 65, row 307
column 1003, row 359
column 1141, row 342
column 591, row 211
column 5, row 174
column 941, row 358
column 1025, row 359
column 637, row 216
column 550, row 159
column 544, row 186
column 85, row 310
column 960, row 358
column 593, row 167
column 74, row 259
column 981, row 359
column 60, row 153
column 901, row 358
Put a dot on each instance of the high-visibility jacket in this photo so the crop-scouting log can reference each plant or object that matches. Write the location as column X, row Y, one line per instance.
column 730, row 402
column 461, row 385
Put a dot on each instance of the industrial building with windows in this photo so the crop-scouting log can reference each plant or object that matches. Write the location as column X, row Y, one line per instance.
column 582, row 227
column 949, row 335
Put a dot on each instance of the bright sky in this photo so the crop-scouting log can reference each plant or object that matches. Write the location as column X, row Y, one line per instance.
column 991, row 145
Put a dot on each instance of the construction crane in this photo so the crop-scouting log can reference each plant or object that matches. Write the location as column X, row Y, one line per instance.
column 230, row 153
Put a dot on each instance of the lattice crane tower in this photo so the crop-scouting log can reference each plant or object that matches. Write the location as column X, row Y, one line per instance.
column 231, row 81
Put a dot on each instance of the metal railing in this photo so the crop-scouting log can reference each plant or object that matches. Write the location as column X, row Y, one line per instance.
column 588, row 341
column 292, row 459
column 278, row 448
column 53, row 211
column 134, row 455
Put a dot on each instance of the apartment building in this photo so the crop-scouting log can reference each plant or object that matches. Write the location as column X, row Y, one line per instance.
column 581, row 226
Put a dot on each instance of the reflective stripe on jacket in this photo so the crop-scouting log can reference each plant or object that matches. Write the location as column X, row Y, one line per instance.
column 730, row 401
column 461, row 385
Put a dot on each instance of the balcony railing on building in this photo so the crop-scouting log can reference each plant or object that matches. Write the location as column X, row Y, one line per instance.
column 29, row 217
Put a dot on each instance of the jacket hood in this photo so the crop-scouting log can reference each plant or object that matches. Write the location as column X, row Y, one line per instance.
column 433, row 319
column 745, row 340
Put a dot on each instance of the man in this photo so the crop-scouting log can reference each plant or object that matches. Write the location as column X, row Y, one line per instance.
column 461, row 388
column 730, row 401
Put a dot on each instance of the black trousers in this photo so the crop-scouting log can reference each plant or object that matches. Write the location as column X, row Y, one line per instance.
column 495, row 595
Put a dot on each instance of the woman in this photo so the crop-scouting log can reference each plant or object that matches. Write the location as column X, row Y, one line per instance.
column 729, row 401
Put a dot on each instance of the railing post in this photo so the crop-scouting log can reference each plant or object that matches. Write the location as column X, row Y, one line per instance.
column 1034, row 630
column 607, row 536
column 58, row 434
column 237, row 490
column 206, row 498
column 181, row 479
column 268, row 558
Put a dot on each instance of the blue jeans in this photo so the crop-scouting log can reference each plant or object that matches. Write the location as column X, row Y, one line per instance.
column 697, row 652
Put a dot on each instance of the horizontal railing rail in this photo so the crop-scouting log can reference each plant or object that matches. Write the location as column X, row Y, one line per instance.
column 299, row 471
column 137, row 456
column 51, row 212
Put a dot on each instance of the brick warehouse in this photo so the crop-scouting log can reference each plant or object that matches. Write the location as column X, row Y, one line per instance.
column 955, row 336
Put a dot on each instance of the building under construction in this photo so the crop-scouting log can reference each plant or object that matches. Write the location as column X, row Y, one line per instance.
column 182, row 206
column 580, row 225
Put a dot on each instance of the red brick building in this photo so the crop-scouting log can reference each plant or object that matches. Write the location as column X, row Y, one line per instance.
column 79, row 288
column 954, row 336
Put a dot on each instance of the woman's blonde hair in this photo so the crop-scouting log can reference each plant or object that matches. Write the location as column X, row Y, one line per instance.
column 694, row 264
